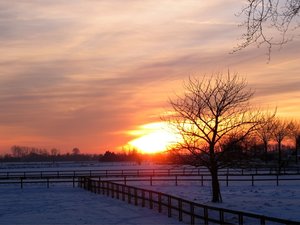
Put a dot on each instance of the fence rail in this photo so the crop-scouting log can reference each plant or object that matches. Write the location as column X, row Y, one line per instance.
column 184, row 210
column 144, row 172
column 225, row 180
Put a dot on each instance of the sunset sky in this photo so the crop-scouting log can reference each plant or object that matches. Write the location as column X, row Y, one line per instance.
column 97, row 74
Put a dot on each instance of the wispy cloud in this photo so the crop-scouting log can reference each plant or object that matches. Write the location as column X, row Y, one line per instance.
column 85, row 72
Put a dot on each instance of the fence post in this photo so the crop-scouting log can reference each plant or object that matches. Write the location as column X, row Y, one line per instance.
column 98, row 187
column 262, row 221
column 21, row 183
column 277, row 179
column 118, row 191
column 94, row 186
column 103, row 188
column 112, row 190
column 202, row 180
column 192, row 213
column 180, row 209
column 143, row 198
column 47, row 182
column 252, row 179
column 150, row 180
column 221, row 214
column 205, row 215
column 241, row 219
column 159, row 202
column 151, row 200
column 79, row 179
column 107, row 188
column 176, row 181
column 125, row 180
column 129, row 195
column 135, row 197
column 227, row 180
column 123, row 193
column 169, row 206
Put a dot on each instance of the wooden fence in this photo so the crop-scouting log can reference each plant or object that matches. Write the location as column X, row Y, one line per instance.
column 204, row 179
column 225, row 180
column 144, row 172
column 184, row 210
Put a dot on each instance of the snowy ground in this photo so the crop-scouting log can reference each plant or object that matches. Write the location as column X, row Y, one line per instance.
column 70, row 166
column 267, row 199
column 62, row 204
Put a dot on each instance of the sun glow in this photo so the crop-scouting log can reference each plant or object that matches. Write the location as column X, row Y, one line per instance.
column 153, row 138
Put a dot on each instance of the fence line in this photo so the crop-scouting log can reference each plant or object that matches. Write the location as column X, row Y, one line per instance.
column 226, row 179
column 173, row 206
column 177, row 179
column 145, row 172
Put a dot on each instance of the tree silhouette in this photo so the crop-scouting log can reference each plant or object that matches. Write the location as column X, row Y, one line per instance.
column 210, row 111
column 265, row 132
column 282, row 130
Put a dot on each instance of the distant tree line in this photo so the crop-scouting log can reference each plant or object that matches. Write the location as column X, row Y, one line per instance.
column 275, row 142
column 33, row 154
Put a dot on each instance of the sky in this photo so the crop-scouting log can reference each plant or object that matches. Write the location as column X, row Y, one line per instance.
column 97, row 74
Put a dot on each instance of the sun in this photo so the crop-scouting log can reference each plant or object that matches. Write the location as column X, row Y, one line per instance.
column 153, row 138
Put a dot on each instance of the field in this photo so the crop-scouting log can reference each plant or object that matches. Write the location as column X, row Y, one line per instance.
column 63, row 204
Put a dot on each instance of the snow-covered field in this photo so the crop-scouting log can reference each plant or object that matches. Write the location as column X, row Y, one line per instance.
column 70, row 166
column 276, row 201
column 62, row 204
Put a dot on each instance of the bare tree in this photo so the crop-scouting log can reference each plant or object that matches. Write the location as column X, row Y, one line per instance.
column 265, row 132
column 54, row 151
column 75, row 151
column 210, row 111
column 266, row 18
column 282, row 130
column 295, row 134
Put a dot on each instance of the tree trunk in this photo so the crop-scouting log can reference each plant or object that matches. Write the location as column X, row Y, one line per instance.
column 266, row 151
column 279, row 153
column 216, row 193
column 279, row 157
column 297, row 147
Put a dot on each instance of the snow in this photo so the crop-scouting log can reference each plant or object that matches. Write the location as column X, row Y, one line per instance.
column 70, row 166
column 62, row 204
column 281, row 201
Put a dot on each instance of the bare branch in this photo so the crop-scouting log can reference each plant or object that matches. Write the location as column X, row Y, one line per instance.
column 268, row 19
